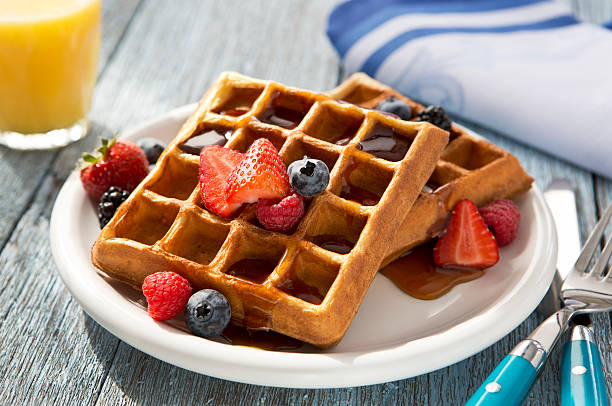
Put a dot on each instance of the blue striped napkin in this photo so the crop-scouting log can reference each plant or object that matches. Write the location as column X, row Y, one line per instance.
column 526, row 68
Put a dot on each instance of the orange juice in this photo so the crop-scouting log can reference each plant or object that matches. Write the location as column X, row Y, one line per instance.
column 48, row 62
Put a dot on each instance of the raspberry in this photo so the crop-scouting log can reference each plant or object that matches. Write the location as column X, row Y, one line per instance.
column 167, row 294
column 281, row 215
column 503, row 218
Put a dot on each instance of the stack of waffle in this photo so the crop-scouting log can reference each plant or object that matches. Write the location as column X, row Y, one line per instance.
column 309, row 284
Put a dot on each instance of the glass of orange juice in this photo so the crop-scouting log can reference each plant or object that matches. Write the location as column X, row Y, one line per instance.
column 48, row 66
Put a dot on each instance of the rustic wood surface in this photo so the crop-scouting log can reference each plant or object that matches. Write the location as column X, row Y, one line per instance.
column 157, row 55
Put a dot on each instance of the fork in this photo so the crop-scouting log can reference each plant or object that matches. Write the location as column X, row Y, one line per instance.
column 585, row 290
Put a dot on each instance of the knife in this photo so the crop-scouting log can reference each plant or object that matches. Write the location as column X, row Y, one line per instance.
column 582, row 381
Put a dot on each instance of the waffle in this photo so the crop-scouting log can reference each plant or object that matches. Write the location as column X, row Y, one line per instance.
column 468, row 168
column 307, row 285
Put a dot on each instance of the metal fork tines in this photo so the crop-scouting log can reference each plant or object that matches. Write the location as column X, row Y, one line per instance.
column 584, row 287
column 582, row 292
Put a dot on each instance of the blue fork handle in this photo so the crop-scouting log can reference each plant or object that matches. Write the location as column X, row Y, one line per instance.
column 511, row 380
column 582, row 380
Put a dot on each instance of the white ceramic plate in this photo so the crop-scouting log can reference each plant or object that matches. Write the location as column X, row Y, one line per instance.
column 393, row 336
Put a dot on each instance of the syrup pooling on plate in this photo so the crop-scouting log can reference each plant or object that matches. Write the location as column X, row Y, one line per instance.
column 212, row 136
column 383, row 142
column 264, row 340
column 416, row 274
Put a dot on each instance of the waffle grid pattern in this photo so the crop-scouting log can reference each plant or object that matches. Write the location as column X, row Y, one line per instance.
column 308, row 292
column 468, row 168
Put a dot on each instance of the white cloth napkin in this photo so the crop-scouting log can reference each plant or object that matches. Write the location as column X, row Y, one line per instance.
column 526, row 68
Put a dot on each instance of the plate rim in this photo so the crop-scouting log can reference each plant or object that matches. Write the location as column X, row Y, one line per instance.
column 299, row 370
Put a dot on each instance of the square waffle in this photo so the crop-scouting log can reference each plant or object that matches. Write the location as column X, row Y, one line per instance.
column 300, row 285
column 468, row 168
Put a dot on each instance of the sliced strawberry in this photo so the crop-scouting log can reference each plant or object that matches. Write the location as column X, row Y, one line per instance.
column 216, row 163
column 467, row 242
column 260, row 175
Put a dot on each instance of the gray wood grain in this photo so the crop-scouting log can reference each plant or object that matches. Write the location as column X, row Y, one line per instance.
column 157, row 55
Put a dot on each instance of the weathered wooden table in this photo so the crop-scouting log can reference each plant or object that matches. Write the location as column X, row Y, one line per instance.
column 157, row 55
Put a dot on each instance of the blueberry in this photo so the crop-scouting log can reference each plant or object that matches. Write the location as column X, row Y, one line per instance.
column 152, row 148
column 397, row 107
column 308, row 177
column 207, row 313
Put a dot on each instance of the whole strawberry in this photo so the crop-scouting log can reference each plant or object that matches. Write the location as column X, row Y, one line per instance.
column 118, row 163
column 167, row 294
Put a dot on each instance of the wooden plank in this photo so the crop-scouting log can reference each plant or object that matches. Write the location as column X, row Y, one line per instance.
column 51, row 353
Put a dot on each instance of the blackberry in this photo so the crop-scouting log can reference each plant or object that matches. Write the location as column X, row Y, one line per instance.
column 435, row 115
column 110, row 201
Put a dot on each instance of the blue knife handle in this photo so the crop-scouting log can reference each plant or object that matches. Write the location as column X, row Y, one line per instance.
column 507, row 385
column 582, row 380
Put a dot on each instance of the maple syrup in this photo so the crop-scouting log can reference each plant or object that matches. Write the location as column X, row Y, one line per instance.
column 383, row 142
column 240, row 103
column 236, row 111
column 355, row 193
column 334, row 243
column 265, row 340
column 195, row 144
column 346, row 135
column 252, row 270
column 295, row 287
column 416, row 274
column 281, row 115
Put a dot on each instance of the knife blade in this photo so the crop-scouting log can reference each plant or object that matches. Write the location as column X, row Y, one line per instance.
column 582, row 380
column 559, row 196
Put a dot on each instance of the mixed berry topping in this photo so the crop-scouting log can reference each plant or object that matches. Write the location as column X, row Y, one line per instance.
column 109, row 203
column 207, row 313
column 308, row 177
column 167, row 294
column 281, row 215
column 152, row 148
column 395, row 106
column 435, row 115
column 503, row 218
column 467, row 243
